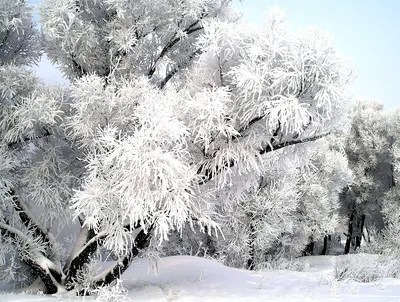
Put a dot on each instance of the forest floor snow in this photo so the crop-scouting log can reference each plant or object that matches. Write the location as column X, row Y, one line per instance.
column 185, row 278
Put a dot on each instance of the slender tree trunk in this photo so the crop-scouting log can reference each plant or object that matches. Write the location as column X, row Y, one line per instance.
column 367, row 236
column 209, row 242
column 393, row 182
column 350, row 233
column 252, row 253
column 327, row 240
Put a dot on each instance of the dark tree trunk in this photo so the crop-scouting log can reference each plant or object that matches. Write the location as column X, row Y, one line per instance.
column 368, row 237
column 350, row 233
column 252, row 253
column 211, row 250
column 47, row 278
column 393, row 182
column 327, row 240
column 78, row 263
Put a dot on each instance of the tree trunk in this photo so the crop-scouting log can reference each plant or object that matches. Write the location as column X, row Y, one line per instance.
column 360, row 226
column 211, row 250
column 252, row 252
column 309, row 249
column 47, row 278
column 327, row 240
column 367, row 236
column 350, row 233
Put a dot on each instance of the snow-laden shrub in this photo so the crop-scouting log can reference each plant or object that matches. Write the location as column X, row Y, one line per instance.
column 392, row 267
column 111, row 293
column 83, row 280
column 288, row 264
column 367, row 267
column 360, row 269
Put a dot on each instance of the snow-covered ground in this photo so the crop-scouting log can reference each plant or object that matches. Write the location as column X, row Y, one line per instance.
column 185, row 278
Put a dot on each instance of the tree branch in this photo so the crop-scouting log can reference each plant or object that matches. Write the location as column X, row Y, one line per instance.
column 48, row 274
column 28, row 219
column 253, row 121
column 28, row 139
column 8, row 230
column 78, row 69
column 189, row 30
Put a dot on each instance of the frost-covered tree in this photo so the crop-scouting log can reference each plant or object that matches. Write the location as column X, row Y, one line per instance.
column 368, row 148
column 28, row 116
column 175, row 108
column 320, row 188
column 267, row 204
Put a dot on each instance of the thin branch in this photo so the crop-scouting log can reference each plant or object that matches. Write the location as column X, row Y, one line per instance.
column 253, row 121
column 79, row 70
column 5, row 228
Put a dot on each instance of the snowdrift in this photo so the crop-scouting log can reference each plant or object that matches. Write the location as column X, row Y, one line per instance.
column 185, row 278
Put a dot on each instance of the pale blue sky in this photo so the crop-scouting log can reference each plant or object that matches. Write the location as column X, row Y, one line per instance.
column 367, row 33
